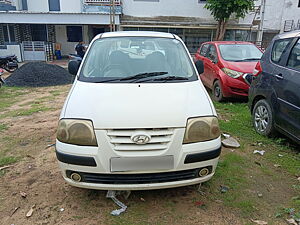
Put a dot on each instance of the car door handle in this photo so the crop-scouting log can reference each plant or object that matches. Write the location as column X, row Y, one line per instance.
column 279, row 76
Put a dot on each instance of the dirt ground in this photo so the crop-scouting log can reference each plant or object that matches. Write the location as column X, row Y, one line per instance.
column 37, row 174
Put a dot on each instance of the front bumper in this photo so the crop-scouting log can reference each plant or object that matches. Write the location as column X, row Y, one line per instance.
column 234, row 87
column 133, row 187
column 96, row 164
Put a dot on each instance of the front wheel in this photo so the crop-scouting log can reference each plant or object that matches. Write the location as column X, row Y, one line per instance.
column 262, row 118
column 11, row 69
column 217, row 92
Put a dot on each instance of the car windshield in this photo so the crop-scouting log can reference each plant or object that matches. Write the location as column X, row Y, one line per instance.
column 137, row 59
column 240, row 52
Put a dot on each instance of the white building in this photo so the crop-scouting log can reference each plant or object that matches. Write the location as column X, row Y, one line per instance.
column 56, row 21
column 68, row 21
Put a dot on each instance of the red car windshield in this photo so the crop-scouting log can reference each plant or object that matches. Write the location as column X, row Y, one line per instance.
column 240, row 52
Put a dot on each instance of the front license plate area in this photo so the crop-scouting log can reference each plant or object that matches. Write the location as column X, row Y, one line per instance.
column 126, row 164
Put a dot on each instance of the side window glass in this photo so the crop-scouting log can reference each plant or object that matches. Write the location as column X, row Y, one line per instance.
column 204, row 50
column 212, row 53
column 294, row 58
column 279, row 48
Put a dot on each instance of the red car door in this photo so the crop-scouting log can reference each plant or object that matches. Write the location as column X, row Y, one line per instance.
column 201, row 55
column 211, row 65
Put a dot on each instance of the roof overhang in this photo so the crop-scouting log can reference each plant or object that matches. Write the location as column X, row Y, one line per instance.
column 56, row 18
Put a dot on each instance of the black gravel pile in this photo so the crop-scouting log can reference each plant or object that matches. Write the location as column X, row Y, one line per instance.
column 39, row 74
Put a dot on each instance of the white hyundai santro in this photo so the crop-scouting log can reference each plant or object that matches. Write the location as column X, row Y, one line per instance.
column 137, row 116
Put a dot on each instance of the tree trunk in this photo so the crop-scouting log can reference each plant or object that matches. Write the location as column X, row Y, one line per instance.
column 221, row 29
column 218, row 30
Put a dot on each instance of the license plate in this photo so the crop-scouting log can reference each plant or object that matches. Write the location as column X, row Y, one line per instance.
column 141, row 163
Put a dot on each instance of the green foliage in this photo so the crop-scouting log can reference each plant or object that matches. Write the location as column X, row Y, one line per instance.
column 223, row 9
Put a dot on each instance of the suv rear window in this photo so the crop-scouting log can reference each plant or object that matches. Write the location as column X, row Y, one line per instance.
column 279, row 48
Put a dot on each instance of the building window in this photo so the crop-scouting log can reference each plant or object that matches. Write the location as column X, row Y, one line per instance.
column 74, row 33
column 8, row 33
column 38, row 32
column 201, row 1
column 299, row 3
column 54, row 5
column 24, row 5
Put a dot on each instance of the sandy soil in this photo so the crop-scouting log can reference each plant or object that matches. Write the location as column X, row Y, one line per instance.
column 37, row 174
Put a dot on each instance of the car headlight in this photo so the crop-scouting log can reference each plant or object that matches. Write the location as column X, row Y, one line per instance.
column 201, row 129
column 232, row 73
column 76, row 132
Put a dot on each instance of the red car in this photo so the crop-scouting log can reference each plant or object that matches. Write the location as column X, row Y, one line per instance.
column 226, row 66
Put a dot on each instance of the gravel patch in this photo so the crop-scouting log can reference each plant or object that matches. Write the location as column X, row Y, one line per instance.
column 39, row 74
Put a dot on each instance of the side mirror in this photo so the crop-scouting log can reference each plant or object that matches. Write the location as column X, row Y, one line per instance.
column 73, row 66
column 199, row 66
column 213, row 59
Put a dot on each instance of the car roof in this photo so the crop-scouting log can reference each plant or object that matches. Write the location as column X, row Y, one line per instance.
column 291, row 34
column 135, row 34
column 227, row 42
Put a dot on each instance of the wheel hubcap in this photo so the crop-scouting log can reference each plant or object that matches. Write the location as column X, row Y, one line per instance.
column 217, row 91
column 261, row 118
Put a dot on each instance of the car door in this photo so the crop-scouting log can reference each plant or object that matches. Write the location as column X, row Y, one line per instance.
column 212, row 60
column 286, row 84
column 202, row 56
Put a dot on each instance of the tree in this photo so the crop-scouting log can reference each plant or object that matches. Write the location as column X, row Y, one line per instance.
column 222, row 10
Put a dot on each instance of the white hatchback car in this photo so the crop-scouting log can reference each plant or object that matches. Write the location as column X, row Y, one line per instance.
column 137, row 117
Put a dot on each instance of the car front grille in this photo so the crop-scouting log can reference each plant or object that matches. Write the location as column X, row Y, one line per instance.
column 121, row 139
column 144, row 178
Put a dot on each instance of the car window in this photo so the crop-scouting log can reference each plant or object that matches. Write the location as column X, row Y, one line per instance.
column 278, row 49
column 212, row 53
column 121, row 57
column 204, row 49
column 294, row 58
column 240, row 52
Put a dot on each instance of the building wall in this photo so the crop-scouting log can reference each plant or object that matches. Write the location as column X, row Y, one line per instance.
column 291, row 12
column 38, row 5
column 61, row 38
column 71, row 5
column 182, row 8
column 273, row 14
column 74, row 6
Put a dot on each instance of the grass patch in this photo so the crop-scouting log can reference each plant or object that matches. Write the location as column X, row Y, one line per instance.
column 3, row 127
column 238, row 123
column 9, row 96
column 231, row 172
column 26, row 112
column 4, row 161
column 31, row 111
column 56, row 92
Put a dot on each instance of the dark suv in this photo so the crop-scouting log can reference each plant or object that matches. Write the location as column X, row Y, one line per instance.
column 274, row 96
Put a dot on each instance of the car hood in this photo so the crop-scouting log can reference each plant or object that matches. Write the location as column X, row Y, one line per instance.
column 147, row 105
column 245, row 67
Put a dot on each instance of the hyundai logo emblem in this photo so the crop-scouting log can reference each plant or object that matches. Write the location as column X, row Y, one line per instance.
column 140, row 139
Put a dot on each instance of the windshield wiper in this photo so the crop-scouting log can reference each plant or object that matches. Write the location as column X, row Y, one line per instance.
column 170, row 78
column 144, row 75
column 134, row 77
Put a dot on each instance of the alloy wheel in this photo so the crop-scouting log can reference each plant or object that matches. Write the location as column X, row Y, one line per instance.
column 261, row 118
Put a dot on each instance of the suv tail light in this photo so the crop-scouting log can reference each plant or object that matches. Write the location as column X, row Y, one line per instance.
column 257, row 69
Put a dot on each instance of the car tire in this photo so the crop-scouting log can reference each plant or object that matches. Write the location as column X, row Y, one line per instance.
column 217, row 92
column 263, row 119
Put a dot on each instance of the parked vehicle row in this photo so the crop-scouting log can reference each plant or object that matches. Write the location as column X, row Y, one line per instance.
column 272, row 80
column 137, row 116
